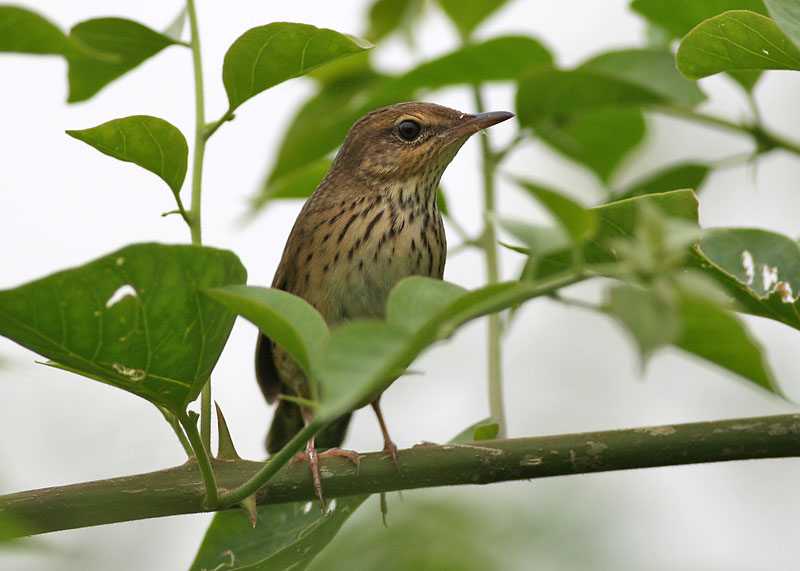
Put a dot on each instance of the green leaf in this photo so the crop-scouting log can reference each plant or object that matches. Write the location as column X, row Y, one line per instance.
column 650, row 69
column 579, row 223
column 387, row 16
column 574, row 111
column 175, row 28
column 287, row 536
column 786, row 13
column 134, row 319
column 321, row 125
column 650, row 318
column 468, row 14
column 584, row 137
column 23, row 31
column 441, row 202
column 468, row 434
column 265, row 56
column 538, row 240
column 552, row 94
column 115, row 46
column 718, row 336
column 299, row 183
column 286, row 319
column 736, row 40
column 740, row 259
column 679, row 16
column 686, row 175
column 486, row 432
column 150, row 142
column 415, row 299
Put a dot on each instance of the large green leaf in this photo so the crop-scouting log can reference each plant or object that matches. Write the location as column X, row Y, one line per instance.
column 650, row 318
column 299, row 183
column 27, row 32
column 786, row 14
column 468, row 14
column 115, row 46
column 150, row 142
column 650, row 69
column 323, row 122
column 718, row 336
column 679, row 16
column 287, row 536
column 134, row 319
column 760, row 269
column 286, row 319
column 268, row 55
column 736, row 40
column 576, row 110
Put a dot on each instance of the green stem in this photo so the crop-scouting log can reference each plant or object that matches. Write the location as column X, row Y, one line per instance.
column 765, row 140
column 197, row 186
column 176, row 426
column 180, row 490
column 201, row 454
column 489, row 240
column 252, row 485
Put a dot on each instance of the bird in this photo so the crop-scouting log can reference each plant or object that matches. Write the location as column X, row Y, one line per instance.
column 372, row 221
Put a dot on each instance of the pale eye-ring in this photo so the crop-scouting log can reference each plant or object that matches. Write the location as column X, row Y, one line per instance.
column 409, row 130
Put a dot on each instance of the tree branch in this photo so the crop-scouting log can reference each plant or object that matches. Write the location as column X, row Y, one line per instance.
column 180, row 490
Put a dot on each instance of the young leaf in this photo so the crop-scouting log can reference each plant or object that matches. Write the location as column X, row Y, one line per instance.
column 651, row 69
column 287, row 536
column 268, row 55
column 134, row 319
column 468, row 14
column 735, row 40
column 652, row 320
column 24, row 31
column 468, row 434
column 786, row 14
column 538, row 240
column 114, row 46
column 150, row 142
column 579, row 223
column 718, row 336
column 617, row 225
column 285, row 318
column 686, row 175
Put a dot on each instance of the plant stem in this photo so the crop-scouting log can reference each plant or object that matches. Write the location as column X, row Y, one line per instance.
column 179, row 490
column 489, row 241
column 197, row 186
column 275, row 463
column 201, row 454
column 765, row 140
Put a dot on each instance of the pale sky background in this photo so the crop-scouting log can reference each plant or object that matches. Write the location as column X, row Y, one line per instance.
column 567, row 370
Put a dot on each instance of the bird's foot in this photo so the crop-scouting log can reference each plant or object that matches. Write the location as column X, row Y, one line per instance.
column 313, row 458
column 391, row 448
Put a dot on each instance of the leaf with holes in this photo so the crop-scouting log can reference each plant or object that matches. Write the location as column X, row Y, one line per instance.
column 135, row 319
column 150, row 142
column 265, row 56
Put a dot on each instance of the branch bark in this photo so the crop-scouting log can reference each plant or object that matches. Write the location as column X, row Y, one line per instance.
column 180, row 490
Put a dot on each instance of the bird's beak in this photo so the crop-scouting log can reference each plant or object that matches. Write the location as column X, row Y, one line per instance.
column 474, row 123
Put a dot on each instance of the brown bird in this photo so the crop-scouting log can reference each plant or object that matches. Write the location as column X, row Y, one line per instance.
column 372, row 221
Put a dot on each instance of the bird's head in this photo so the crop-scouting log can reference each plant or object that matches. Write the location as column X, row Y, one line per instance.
column 410, row 140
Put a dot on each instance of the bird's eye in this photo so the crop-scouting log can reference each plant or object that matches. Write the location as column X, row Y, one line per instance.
column 409, row 130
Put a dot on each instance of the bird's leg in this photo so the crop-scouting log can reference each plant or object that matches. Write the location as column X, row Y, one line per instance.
column 388, row 445
column 314, row 456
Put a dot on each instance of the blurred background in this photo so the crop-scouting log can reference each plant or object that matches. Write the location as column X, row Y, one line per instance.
column 566, row 369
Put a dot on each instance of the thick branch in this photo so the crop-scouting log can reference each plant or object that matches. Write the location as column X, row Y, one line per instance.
column 180, row 490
